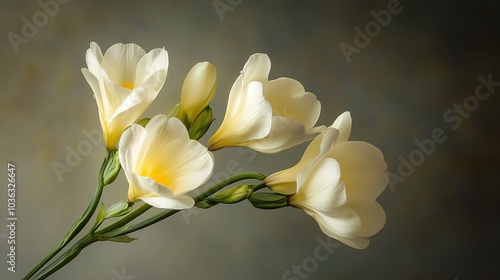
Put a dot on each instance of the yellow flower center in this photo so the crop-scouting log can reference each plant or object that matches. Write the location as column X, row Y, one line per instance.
column 128, row 85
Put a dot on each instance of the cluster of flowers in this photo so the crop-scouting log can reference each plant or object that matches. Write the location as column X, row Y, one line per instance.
column 336, row 181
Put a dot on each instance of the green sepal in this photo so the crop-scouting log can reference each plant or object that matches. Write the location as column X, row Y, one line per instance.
column 100, row 217
column 204, row 204
column 201, row 124
column 268, row 200
column 112, row 167
column 120, row 239
column 143, row 122
column 119, row 209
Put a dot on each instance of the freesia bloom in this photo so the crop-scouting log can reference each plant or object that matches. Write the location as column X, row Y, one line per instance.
column 336, row 182
column 267, row 116
column 161, row 163
column 125, row 80
column 198, row 90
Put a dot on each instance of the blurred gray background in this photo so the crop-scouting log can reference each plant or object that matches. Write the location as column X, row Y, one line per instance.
column 441, row 218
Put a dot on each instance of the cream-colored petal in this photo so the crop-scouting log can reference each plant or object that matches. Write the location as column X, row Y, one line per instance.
column 94, row 47
column 120, row 62
column 341, row 221
column 93, row 57
column 129, row 149
column 234, row 98
column 253, row 120
column 285, row 133
column 353, row 241
column 151, row 70
column 198, row 89
column 372, row 216
column 343, row 123
column 257, row 68
column 284, row 181
column 318, row 186
column 289, row 99
column 136, row 102
column 102, row 104
column 173, row 159
column 358, row 156
column 149, row 191
column 178, row 202
column 364, row 185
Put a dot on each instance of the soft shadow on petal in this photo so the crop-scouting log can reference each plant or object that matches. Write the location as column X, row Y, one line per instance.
column 252, row 121
column 154, row 61
column 289, row 99
column 342, row 221
column 257, row 68
column 318, row 186
column 285, row 133
column 372, row 216
column 136, row 102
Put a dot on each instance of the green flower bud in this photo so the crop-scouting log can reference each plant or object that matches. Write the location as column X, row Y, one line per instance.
column 112, row 167
column 268, row 200
column 118, row 209
column 233, row 195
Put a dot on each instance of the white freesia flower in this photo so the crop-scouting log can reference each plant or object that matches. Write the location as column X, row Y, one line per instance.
column 336, row 182
column 267, row 116
column 198, row 90
column 161, row 163
column 125, row 80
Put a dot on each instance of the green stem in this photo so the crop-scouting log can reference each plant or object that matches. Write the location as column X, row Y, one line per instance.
column 118, row 228
column 78, row 225
column 258, row 187
column 115, row 231
column 68, row 256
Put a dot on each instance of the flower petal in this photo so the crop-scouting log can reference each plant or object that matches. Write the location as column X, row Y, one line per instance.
column 151, row 70
column 257, row 68
column 289, row 99
column 149, row 191
column 285, row 133
column 318, row 186
column 343, row 123
column 179, row 202
column 120, row 62
column 372, row 216
column 176, row 161
column 93, row 57
column 252, row 121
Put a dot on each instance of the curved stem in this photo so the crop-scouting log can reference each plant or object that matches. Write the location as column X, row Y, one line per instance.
column 68, row 256
column 116, row 231
column 79, row 224
column 118, row 228
column 258, row 187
